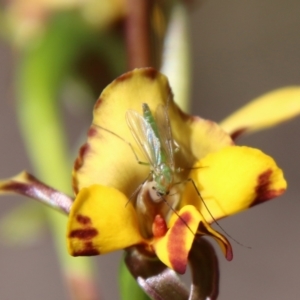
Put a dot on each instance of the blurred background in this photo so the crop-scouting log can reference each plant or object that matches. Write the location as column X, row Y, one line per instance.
column 240, row 50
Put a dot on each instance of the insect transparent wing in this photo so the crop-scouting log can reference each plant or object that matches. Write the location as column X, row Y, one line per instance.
column 165, row 132
column 144, row 136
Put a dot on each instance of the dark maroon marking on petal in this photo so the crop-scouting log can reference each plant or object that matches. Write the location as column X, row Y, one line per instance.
column 88, row 250
column 203, row 229
column 26, row 188
column 80, row 159
column 186, row 217
column 75, row 185
column 124, row 77
column 31, row 178
column 84, row 234
column 150, row 73
column 98, row 103
column 228, row 250
column 262, row 189
column 177, row 257
column 236, row 134
column 16, row 187
column 34, row 188
column 84, row 220
column 92, row 132
column 29, row 187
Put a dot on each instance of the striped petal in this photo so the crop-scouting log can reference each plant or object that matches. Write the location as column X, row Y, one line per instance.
column 101, row 220
column 174, row 247
column 232, row 180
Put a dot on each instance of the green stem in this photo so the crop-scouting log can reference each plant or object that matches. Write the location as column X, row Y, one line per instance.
column 39, row 77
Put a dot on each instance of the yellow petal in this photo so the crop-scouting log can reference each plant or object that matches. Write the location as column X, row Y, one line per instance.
column 101, row 220
column 102, row 150
column 99, row 160
column 205, row 137
column 232, row 180
column 173, row 248
column 265, row 111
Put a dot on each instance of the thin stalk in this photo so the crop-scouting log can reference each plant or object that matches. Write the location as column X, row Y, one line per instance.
column 137, row 32
column 39, row 75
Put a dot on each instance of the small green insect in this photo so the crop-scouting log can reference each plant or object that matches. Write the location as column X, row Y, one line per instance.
column 154, row 136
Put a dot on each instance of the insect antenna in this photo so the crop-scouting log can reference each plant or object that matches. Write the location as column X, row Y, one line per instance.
column 136, row 191
column 128, row 143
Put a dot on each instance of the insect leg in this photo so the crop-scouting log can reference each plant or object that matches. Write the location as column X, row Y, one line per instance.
column 217, row 223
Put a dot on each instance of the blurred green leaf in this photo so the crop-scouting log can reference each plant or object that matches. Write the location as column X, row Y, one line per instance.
column 23, row 225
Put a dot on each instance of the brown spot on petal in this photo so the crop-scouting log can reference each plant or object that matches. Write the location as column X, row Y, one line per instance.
column 177, row 252
column 29, row 187
column 83, row 234
column 78, row 164
column 88, row 250
column 82, row 152
column 92, row 132
column 98, row 103
column 124, row 77
column 15, row 187
column 203, row 229
column 30, row 177
column 75, row 185
column 238, row 133
column 84, row 220
column 263, row 191
column 150, row 73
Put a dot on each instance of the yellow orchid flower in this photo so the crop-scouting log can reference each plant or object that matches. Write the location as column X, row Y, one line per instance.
column 227, row 178
column 117, row 204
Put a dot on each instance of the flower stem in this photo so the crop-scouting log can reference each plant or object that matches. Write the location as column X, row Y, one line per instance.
column 39, row 76
column 137, row 31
